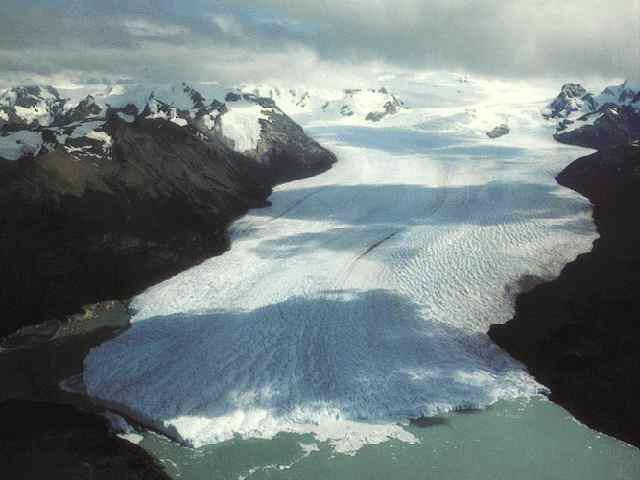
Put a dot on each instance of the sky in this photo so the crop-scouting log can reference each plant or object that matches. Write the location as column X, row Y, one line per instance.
column 316, row 42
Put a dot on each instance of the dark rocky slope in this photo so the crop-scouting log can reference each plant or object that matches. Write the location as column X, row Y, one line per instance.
column 42, row 440
column 615, row 125
column 58, row 434
column 596, row 121
column 77, row 231
column 94, row 220
column 580, row 333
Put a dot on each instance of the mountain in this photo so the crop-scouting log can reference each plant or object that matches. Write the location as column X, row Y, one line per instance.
column 370, row 104
column 291, row 100
column 247, row 123
column 596, row 121
column 113, row 192
column 29, row 105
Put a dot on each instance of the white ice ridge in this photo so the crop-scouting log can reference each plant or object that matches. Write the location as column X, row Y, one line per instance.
column 362, row 296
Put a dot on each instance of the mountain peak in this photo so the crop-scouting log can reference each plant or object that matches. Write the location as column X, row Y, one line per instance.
column 597, row 121
column 29, row 105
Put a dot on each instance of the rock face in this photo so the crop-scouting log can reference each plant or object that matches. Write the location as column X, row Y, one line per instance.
column 596, row 121
column 572, row 98
column 612, row 125
column 58, row 441
column 116, row 200
column 580, row 333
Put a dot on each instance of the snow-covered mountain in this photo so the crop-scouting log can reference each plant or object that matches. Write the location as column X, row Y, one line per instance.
column 371, row 104
column 30, row 105
column 364, row 104
column 291, row 100
column 606, row 119
column 36, row 119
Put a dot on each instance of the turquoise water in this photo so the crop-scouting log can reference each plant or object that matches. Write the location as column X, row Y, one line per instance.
column 522, row 440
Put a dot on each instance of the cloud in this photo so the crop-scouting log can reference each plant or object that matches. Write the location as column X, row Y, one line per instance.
column 232, row 40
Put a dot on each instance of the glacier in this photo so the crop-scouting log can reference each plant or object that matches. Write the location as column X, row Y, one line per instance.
column 361, row 297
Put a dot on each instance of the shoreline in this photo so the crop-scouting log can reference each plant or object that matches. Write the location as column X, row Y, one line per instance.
column 36, row 408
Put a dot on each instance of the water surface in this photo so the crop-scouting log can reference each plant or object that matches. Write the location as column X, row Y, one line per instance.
column 524, row 440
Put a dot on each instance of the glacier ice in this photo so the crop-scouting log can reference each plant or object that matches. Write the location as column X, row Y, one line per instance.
column 362, row 296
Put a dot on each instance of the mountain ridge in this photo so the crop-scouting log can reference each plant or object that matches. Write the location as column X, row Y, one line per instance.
column 596, row 121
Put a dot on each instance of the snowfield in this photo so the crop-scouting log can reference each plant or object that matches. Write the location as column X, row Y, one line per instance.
column 361, row 297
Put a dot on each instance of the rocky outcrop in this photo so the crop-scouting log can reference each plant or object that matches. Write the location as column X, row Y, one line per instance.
column 498, row 131
column 572, row 98
column 580, row 333
column 43, row 440
column 391, row 107
column 116, row 201
column 286, row 152
column 613, row 125
column 596, row 121
column 86, row 108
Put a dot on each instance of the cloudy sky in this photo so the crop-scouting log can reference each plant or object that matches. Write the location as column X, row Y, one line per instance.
column 316, row 41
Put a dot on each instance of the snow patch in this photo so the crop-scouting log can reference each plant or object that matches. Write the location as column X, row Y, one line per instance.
column 85, row 128
column 103, row 137
column 179, row 121
column 126, row 117
column 293, row 100
column 241, row 125
column 209, row 121
column 29, row 115
column 18, row 144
